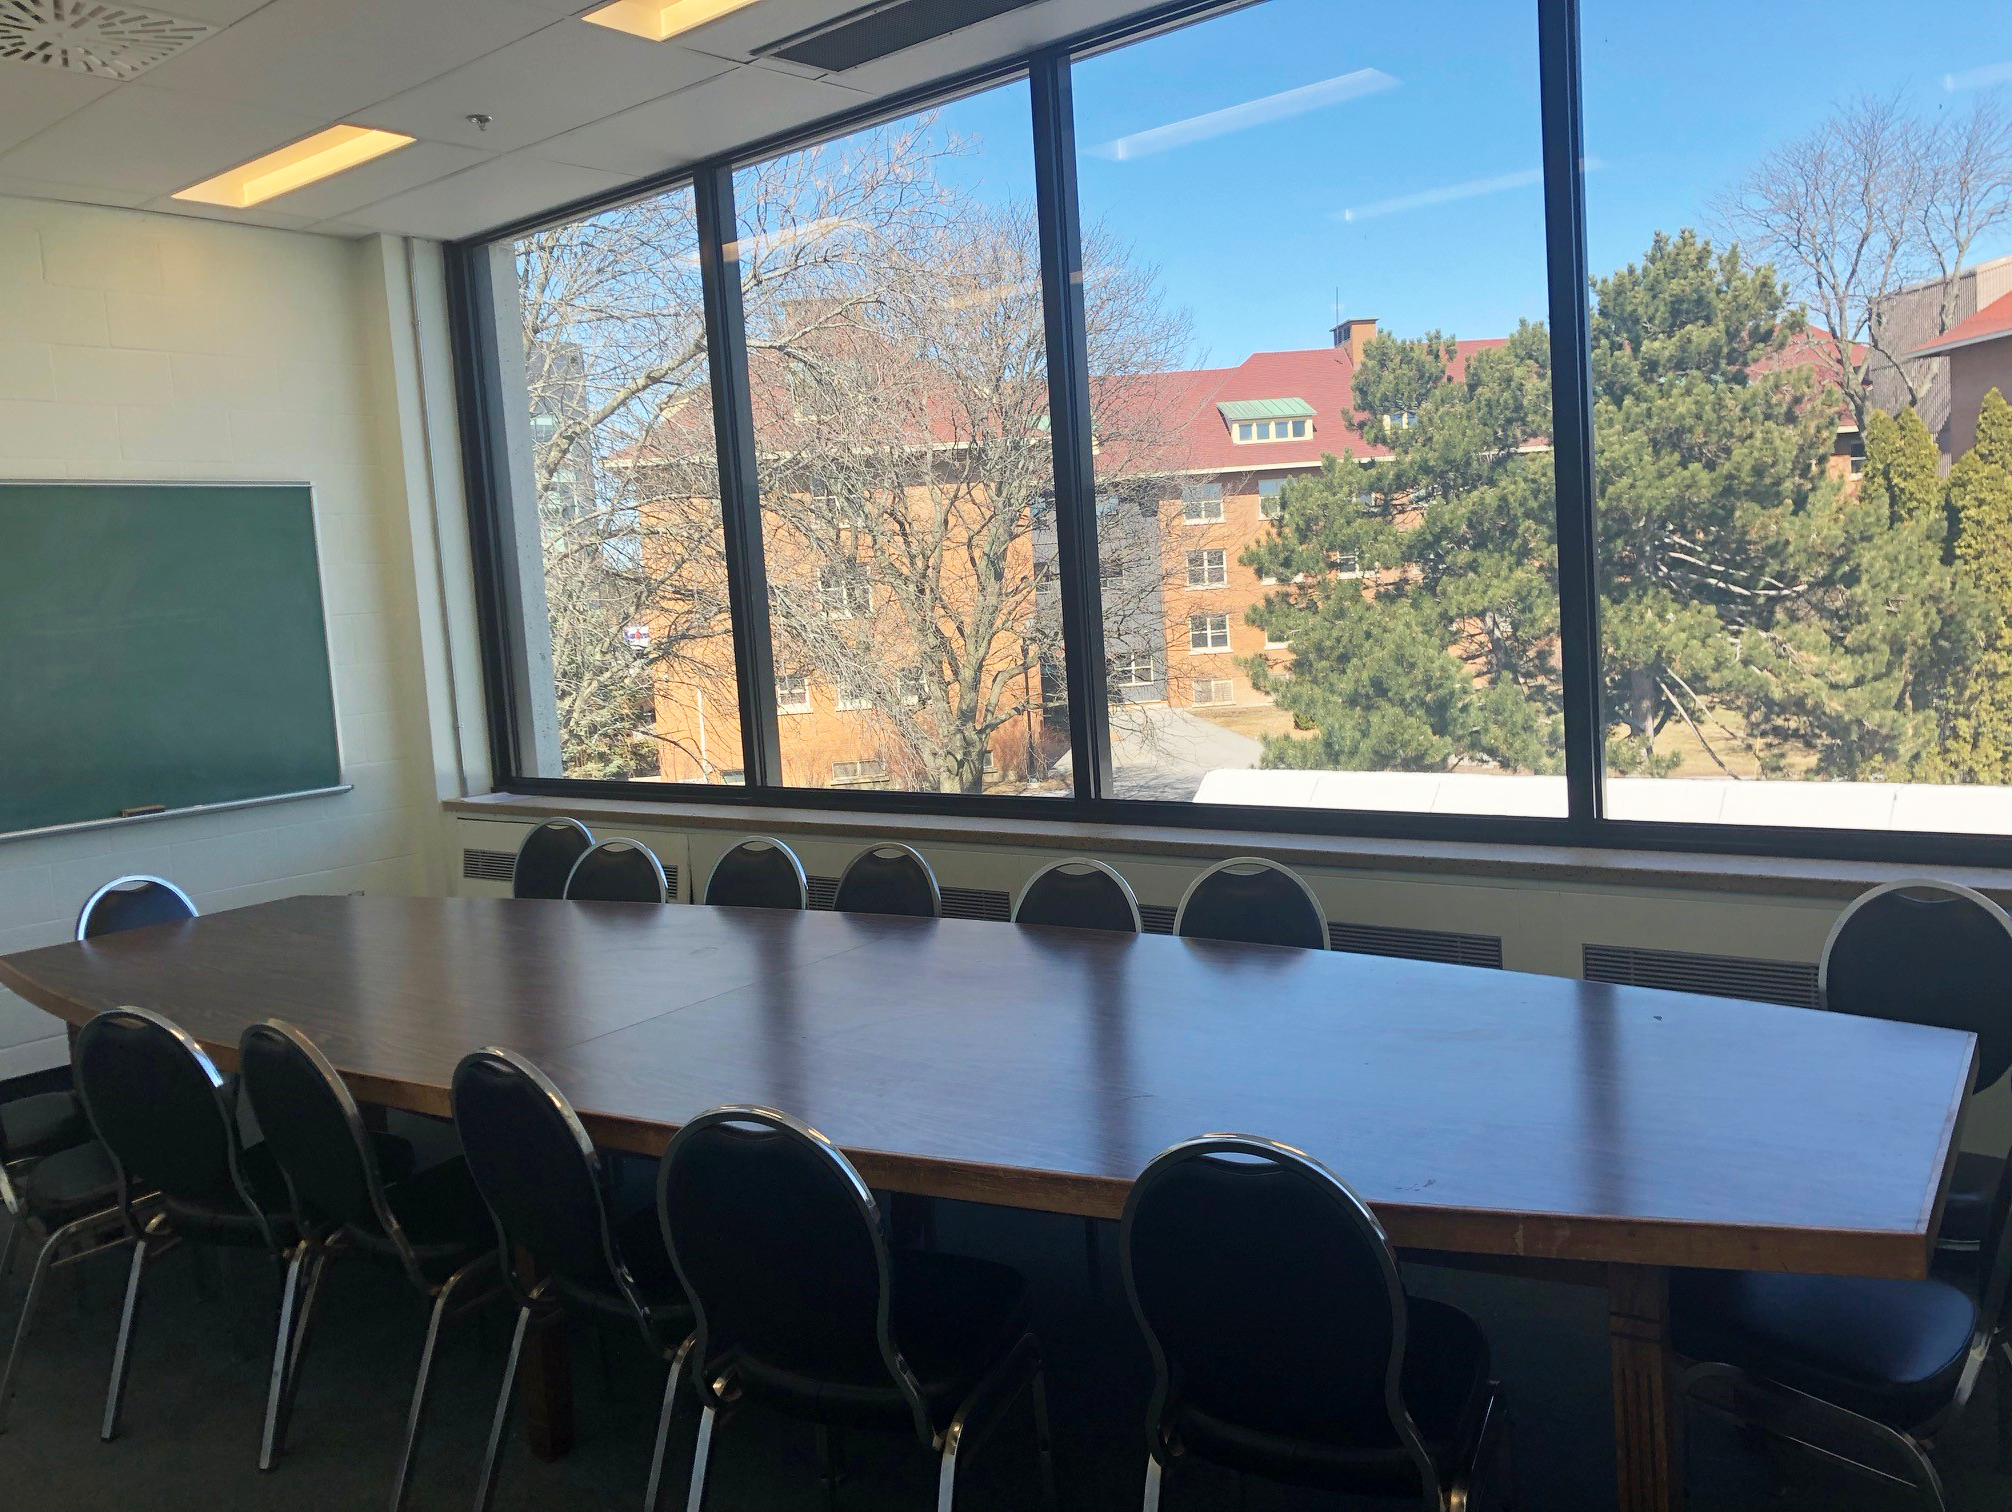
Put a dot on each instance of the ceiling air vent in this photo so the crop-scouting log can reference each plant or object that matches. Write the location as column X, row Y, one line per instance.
column 1790, row 982
column 87, row 37
column 875, row 31
column 487, row 865
column 1417, row 944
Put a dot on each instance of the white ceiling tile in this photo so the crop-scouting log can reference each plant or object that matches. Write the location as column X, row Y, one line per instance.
column 378, row 179
column 153, row 141
column 24, row 188
column 34, row 96
column 694, row 123
column 328, row 60
column 549, row 82
column 218, row 12
column 502, row 189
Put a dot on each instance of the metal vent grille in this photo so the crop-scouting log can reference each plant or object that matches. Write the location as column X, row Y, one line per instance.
column 487, row 865
column 823, row 891
column 1790, row 982
column 874, row 31
column 1157, row 918
column 87, row 37
column 976, row 903
column 1417, row 944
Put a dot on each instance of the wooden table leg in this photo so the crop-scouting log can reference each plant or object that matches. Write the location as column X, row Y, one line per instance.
column 1646, row 1411
column 545, row 1382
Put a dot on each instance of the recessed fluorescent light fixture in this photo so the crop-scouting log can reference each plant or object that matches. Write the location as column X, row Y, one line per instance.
column 661, row 20
column 305, row 162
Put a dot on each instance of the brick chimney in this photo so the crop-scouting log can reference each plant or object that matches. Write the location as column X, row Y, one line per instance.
column 1355, row 335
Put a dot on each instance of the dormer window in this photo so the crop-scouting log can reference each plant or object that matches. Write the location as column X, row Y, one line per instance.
column 1254, row 421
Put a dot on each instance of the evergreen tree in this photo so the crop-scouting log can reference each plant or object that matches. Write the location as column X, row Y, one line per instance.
column 1979, row 748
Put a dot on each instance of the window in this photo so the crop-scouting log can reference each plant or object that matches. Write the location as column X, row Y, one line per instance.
column 858, row 773
column 1208, row 632
column 1273, row 643
column 792, row 694
column 1214, row 690
column 891, row 289
column 1207, row 569
column 1133, row 669
column 735, row 778
column 1446, row 228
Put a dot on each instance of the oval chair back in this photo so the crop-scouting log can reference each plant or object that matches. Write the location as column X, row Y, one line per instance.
column 1255, row 901
column 1271, row 1304
column 782, row 1251
column 539, row 1174
column 315, row 1132
column 1079, row 894
column 618, row 871
column 1926, row 953
column 889, row 879
column 546, row 858
column 132, row 903
column 164, row 1114
column 758, row 873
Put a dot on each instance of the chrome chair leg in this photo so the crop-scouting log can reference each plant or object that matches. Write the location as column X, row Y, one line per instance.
column 282, row 1352
column 946, row 1472
column 290, row 1392
column 122, row 1352
column 654, row 1490
column 1928, row 1480
column 418, row 1410
column 1152, row 1502
column 44, row 1261
column 696, row 1500
column 485, row 1491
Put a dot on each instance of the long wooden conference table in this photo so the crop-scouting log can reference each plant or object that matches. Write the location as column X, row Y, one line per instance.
column 1545, row 1124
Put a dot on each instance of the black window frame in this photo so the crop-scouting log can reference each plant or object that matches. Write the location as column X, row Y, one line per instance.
column 1048, row 73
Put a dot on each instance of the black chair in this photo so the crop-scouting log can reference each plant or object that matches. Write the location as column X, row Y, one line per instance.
column 1868, row 1373
column 1253, row 901
column 802, row 1305
column 545, row 1187
column 1937, row 954
column 546, row 858
column 1282, row 1340
column 889, row 879
column 132, row 903
column 433, row 1228
column 618, row 871
column 1079, row 894
column 758, row 873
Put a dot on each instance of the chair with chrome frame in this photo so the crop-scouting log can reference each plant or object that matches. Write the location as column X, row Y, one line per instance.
column 545, row 1187
column 618, row 871
column 132, row 903
column 1283, row 1342
column 1934, row 953
column 803, row 1306
column 1252, row 901
column 1850, row 1367
column 758, row 872
column 432, row 1228
column 889, row 878
column 546, row 858
column 1079, row 894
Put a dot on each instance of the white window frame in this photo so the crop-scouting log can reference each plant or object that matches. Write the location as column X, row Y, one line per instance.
column 1209, row 568
column 1203, row 508
column 1202, row 634
column 849, row 699
column 1223, row 685
column 790, row 705
column 1124, row 671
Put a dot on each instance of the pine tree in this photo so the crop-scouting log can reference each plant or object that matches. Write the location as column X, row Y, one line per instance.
column 1979, row 748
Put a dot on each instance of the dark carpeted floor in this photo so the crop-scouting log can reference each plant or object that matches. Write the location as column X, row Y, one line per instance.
column 193, row 1409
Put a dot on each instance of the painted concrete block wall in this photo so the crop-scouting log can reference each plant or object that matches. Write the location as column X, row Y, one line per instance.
column 136, row 346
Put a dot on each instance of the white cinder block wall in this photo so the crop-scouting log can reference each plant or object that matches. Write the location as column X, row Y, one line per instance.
column 145, row 346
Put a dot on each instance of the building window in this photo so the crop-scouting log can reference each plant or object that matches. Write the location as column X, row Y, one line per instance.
column 1202, row 504
column 858, row 773
column 1402, row 420
column 852, row 696
column 1208, row 569
column 792, row 694
column 1208, row 632
column 735, row 778
column 1134, row 669
column 1272, row 430
column 1271, row 498
column 1273, row 642
column 1215, row 690
column 1346, row 565
column 908, row 688
column 844, row 592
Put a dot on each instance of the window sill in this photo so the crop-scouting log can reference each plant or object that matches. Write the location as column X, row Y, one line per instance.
column 1557, row 866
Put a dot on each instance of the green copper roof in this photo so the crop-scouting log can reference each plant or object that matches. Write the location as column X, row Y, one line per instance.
column 1266, row 409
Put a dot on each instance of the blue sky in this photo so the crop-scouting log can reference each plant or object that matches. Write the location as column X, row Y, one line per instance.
column 1399, row 172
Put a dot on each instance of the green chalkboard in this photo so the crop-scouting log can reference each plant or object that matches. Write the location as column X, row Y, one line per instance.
column 160, row 643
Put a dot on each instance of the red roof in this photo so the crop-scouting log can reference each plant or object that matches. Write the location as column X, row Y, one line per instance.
column 1992, row 323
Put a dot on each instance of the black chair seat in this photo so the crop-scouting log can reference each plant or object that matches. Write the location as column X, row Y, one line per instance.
column 1967, row 1209
column 69, row 1184
column 1446, row 1385
column 955, row 1316
column 640, row 1240
column 1889, row 1350
column 32, row 1127
column 442, row 1215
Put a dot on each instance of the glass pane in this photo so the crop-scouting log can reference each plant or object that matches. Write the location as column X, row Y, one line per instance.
column 1801, row 320
column 614, row 499
column 899, row 372
column 1350, row 414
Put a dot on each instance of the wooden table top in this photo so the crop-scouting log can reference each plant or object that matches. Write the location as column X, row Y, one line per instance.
column 1483, row 1112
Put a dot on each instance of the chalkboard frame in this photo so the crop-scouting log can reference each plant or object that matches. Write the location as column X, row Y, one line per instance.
column 261, row 800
